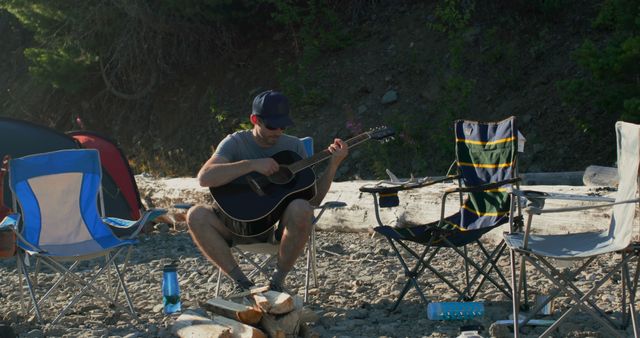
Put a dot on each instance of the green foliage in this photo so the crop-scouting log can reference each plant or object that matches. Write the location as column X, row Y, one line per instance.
column 452, row 16
column 315, row 28
column 133, row 41
column 313, row 24
column 426, row 142
column 64, row 69
column 612, row 66
column 548, row 10
column 59, row 59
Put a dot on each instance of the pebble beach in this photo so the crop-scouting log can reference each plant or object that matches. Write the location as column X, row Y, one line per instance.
column 359, row 278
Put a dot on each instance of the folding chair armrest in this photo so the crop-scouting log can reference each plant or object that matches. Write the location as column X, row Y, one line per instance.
column 488, row 186
column 532, row 194
column 134, row 226
column 538, row 210
column 537, row 201
column 332, row 205
column 385, row 187
column 183, row 205
column 10, row 222
column 325, row 206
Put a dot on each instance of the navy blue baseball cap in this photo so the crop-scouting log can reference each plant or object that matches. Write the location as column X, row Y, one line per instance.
column 273, row 108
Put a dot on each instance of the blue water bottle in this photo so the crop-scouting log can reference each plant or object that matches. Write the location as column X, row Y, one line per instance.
column 170, row 289
column 454, row 310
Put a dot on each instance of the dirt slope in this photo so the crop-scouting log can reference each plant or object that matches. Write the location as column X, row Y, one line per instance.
column 506, row 63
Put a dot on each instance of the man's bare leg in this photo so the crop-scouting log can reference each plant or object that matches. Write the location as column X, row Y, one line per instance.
column 297, row 221
column 211, row 236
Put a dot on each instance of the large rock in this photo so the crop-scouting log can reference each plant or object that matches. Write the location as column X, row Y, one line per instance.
column 416, row 206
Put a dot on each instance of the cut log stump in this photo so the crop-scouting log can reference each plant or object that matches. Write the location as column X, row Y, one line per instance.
column 286, row 324
column 242, row 313
column 279, row 302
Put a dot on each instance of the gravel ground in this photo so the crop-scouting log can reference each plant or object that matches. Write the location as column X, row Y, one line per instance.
column 358, row 283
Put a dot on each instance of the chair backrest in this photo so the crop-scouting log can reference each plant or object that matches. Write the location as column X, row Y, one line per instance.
column 308, row 145
column 486, row 152
column 58, row 194
column 628, row 152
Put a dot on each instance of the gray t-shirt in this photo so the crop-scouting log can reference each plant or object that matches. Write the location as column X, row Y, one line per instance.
column 241, row 146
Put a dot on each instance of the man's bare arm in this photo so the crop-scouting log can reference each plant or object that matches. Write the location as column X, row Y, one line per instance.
column 339, row 150
column 219, row 171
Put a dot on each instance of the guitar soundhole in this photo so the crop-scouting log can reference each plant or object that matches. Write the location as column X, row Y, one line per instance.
column 282, row 176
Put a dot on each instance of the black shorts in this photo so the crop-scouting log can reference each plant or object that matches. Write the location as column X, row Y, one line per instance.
column 242, row 233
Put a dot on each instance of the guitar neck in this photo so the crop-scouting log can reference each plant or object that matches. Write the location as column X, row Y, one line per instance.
column 325, row 154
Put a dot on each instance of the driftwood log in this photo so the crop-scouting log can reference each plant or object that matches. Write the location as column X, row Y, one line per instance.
column 600, row 176
column 552, row 178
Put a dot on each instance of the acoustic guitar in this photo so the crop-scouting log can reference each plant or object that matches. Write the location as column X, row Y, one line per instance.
column 260, row 200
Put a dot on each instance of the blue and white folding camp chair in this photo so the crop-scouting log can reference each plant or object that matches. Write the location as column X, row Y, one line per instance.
column 486, row 159
column 57, row 193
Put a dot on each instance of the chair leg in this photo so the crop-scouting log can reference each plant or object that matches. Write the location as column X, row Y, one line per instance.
column 218, row 282
column 32, row 293
column 630, row 286
column 515, row 293
column 313, row 260
column 311, row 264
column 58, row 281
column 23, row 306
column 89, row 285
column 413, row 273
column 124, row 289
column 491, row 260
column 109, row 279
column 476, row 266
column 570, row 290
column 125, row 265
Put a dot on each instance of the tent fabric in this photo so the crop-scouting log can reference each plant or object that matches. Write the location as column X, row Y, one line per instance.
column 115, row 165
column 20, row 138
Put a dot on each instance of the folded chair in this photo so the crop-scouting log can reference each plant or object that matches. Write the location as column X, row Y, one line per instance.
column 550, row 253
column 486, row 158
column 60, row 226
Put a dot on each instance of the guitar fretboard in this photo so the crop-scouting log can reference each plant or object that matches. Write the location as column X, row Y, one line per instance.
column 325, row 154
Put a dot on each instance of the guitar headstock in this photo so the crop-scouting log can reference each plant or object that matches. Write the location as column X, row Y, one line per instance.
column 381, row 133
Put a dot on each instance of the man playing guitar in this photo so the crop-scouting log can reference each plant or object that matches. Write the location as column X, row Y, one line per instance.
column 250, row 151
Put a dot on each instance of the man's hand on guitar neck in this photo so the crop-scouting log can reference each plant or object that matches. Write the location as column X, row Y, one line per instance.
column 339, row 151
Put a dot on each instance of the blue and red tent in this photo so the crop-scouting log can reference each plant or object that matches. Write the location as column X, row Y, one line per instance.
column 121, row 196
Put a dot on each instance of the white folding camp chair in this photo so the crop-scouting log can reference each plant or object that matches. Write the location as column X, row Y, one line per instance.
column 547, row 252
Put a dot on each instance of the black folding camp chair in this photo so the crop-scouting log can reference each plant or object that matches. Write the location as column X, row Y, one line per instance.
column 486, row 158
